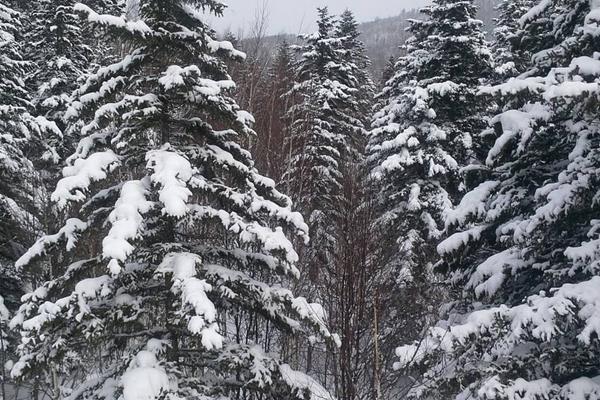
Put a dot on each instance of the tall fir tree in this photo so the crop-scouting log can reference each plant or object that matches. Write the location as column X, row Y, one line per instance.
column 21, row 138
column 60, row 53
column 172, row 232
column 15, row 169
column 388, row 72
column 525, row 248
column 320, row 137
column 355, row 65
column 346, row 284
column 510, row 57
column 331, row 102
column 423, row 136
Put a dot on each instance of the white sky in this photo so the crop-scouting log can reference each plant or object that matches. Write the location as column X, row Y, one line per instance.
column 298, row 16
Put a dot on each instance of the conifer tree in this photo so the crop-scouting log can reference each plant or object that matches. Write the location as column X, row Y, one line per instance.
column 524, row 250
column 354, row 65
column 423, row 135
column 172, row 232
column 344, row 285
column 20, row 137
column 14, row 168
column 319, row 136
column 20, row 140
column 331, row 101
column 510, row 56
column 60, row 54
column 389, row 71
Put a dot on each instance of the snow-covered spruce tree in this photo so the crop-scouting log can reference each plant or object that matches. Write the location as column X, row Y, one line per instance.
column 354, row 64
column 60, row 54
column 343, row 284
column 546, row 33
column 510, row 56
column 526, row 247
column 105, row 48
column 389, row 70
column 14, row 167
column 20, row 139
column 321, row 137
column 327, row 139
column 423, row 135
column 20, row 142
column 171, row 229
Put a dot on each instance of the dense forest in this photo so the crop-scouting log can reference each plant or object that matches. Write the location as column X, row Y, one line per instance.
column 405, row 209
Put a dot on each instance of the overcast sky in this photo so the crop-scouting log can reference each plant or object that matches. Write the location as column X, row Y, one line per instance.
column 298, row 16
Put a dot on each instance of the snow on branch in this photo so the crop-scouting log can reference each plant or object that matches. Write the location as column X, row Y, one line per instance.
column 193, row 292
column 69, row 232
column 172, row 172
column 460, row 239
column 490, row 275
column 540, row 319
column 127, row 221
column 302, row 383
column 473, row 204
column 138, row 26
column 145, row 378
column 516, row 123
column 79, row 176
